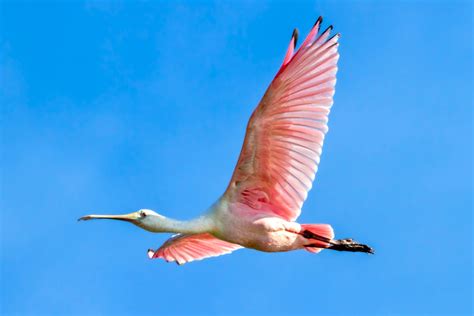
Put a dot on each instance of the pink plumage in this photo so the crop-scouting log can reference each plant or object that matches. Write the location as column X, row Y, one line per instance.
column 323, row 230
column 285, row 134
column 187, row 248
column 275, row 170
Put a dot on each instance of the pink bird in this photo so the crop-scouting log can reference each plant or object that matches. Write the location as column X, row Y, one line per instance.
column 275, row 170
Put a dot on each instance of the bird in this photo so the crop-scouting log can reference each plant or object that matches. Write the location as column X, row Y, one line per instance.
column 274, row 172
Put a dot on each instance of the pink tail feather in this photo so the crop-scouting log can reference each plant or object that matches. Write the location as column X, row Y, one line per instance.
column 323, row 230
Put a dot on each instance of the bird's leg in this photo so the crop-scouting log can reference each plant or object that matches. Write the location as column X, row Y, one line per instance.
column 347, row 244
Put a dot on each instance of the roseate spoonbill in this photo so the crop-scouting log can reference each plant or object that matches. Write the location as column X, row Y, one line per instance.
column 275, row 170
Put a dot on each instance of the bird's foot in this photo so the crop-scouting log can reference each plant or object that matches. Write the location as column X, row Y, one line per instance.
column 350, row 245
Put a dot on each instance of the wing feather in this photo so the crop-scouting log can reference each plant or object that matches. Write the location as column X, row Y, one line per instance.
column 285, row 134
column 184, row 248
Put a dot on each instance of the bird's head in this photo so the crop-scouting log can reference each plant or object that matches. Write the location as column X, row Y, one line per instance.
column 142, row 218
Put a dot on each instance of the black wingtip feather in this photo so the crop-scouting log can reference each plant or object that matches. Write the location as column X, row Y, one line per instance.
column 337, row 35
column 329, row 29
column 295, row 35
column 320, row 20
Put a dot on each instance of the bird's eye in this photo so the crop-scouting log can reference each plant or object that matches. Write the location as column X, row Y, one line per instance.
column 142, row 214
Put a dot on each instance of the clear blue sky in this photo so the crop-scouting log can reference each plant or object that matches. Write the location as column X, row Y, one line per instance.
column 113, row 107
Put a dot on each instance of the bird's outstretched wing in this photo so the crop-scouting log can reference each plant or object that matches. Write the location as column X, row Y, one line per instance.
column 186, row 248
column 285, row 133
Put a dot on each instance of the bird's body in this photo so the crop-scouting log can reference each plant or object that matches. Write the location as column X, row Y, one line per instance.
column 237, row 223
column 275, row 170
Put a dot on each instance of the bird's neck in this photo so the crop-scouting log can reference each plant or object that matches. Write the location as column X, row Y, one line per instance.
column 161, row 224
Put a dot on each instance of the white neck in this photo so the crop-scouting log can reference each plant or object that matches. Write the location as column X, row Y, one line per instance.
column 161, row 224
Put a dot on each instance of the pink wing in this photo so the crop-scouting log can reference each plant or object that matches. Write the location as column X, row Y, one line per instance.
column 285, row 133
column 187, row 248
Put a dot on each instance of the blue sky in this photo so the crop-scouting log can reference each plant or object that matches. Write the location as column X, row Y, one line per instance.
column 116, row 106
